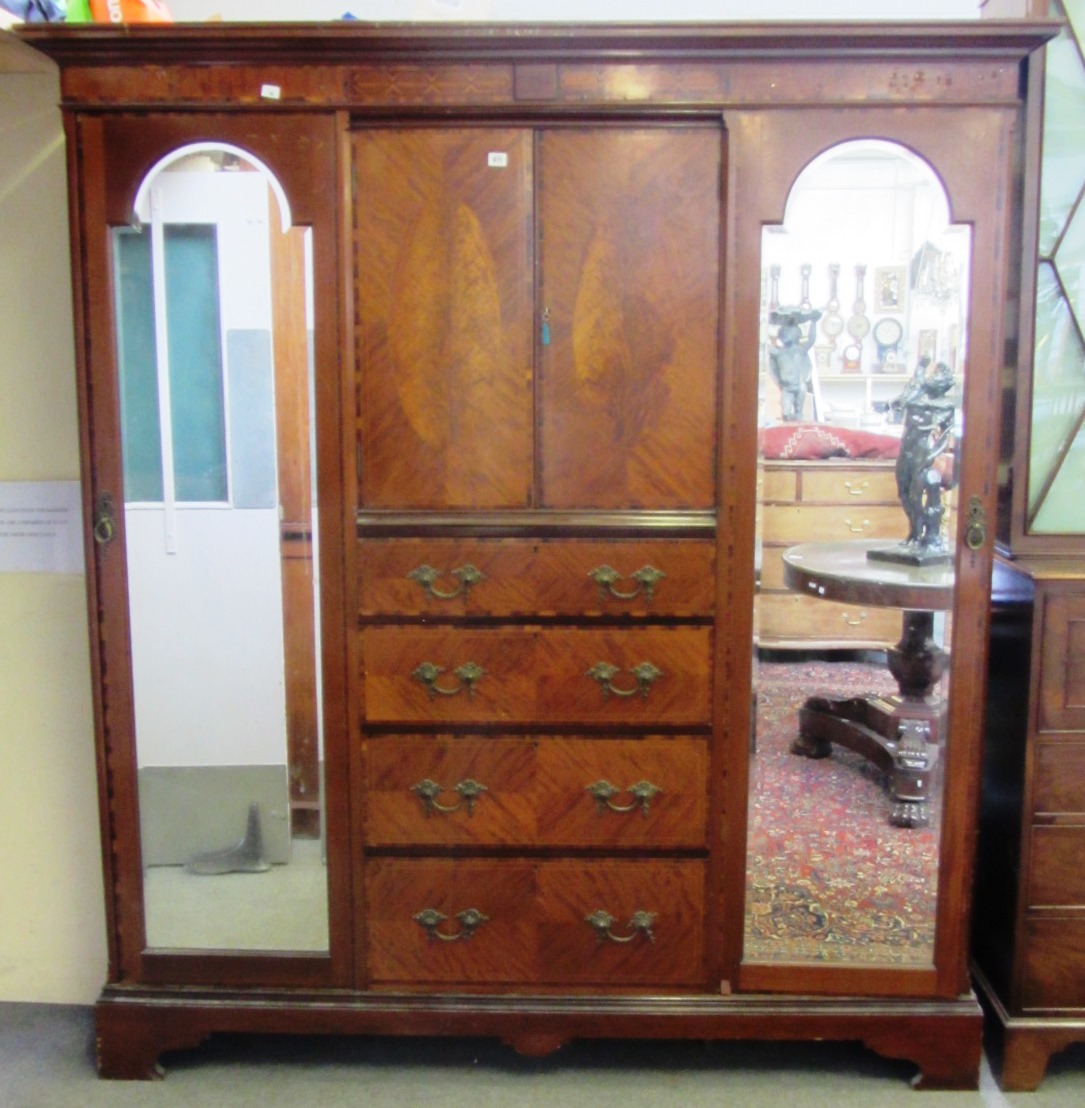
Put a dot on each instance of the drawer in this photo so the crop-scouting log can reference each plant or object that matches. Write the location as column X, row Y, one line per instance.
column 1053, row 964
column 1062, row 663
column 546, row 792
column 529, row 922
column 849, row 485
column 640, row 676
column 1059, row 778
column 516, row 577
column 789, row 617
column 778, row 484
column 1056, row 873
column 794, row 524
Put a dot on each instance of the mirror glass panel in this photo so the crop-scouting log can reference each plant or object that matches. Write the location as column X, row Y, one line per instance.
column 864, row 294
column 213, row 313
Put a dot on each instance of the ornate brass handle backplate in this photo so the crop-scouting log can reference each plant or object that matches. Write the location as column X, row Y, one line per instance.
column 606, row 577
column 645, row 674
column 467, row 790
column 105, row 519
column 470, row 920
column 467, row 575
column 975, row 532
column 469, row 675
column 640, row 924
column 642, row 793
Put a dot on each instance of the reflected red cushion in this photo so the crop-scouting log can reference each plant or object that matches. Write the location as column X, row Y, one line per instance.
column 805, row 442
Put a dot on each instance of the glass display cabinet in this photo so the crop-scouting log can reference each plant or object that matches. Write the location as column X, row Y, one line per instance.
column 427, row 378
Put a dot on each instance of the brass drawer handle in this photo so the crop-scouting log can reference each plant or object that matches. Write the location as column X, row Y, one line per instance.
column 853, row 622
column 606, row 577
column 856, row 490
column 469, row 675
column 467, row 575
column 857, row 530
column 642, row 793
column 640, row 924
column 468, row 791
column 470, row 919
column 645, row 673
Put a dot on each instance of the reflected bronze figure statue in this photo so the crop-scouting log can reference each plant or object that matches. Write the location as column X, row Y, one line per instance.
column 791, row 366
column 925, row 465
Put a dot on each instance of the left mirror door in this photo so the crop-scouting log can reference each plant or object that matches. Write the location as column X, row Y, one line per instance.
column 212, row 301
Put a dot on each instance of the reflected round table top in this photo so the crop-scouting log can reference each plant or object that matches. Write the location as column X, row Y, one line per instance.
column 842, row 571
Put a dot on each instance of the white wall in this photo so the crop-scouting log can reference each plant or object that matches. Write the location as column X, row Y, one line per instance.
column 52, row 931
column 52, row 934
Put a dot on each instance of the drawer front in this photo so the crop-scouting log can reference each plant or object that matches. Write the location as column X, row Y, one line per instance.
column 1062, row 672
column 647, row 794
column 848, row 486
column 778, row 484
column 639, row 676
column 1056, row 869
column 516, row 577
column 794, row 524
column 1053, row 964
column 789, row 617
column 530, row 922
column 1059, row 778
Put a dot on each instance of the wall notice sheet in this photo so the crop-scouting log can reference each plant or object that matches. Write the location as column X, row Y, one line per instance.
column 41, row 527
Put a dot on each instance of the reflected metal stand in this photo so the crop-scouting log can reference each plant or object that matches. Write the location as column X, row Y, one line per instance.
column 900, row 734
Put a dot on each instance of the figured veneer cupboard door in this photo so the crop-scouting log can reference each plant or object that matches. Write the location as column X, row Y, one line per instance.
column 629, row 242
column 593, row 250
column 444, row 306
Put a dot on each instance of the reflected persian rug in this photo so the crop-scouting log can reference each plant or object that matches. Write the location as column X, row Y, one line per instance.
column 830, row 880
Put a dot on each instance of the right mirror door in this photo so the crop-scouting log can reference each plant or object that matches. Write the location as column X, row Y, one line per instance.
column 864, row 293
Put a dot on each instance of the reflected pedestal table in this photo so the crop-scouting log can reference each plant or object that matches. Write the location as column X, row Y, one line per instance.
column 900, row 733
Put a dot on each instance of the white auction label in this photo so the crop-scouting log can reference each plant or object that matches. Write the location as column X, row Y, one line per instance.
column 41, row 527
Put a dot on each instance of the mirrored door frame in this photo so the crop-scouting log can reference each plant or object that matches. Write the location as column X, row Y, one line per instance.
column 767, row 152
column 110, row 157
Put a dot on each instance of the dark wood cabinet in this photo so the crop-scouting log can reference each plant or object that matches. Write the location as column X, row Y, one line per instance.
column 1029, row 941
column 530, row 323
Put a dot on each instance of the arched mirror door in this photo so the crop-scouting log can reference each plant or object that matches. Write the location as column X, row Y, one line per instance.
column 865, row 287
column 213, row 306
column 213, row 417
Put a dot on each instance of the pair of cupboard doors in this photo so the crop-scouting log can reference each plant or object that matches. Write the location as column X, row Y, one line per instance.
column 537, row 316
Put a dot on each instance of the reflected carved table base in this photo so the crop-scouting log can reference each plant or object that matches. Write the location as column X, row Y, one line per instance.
column 899, row 734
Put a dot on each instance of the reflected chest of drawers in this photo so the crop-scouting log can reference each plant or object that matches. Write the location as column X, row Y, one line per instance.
column 830, row 501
